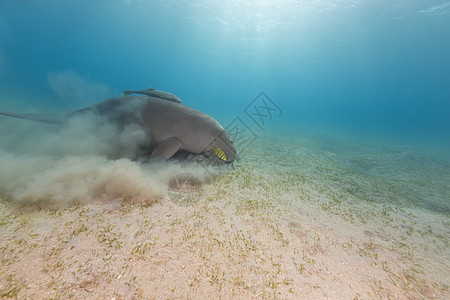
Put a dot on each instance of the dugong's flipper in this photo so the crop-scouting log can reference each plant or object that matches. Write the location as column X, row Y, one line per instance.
column 167, row 148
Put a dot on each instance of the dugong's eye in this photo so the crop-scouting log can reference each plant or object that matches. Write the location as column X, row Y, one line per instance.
column 219, row 153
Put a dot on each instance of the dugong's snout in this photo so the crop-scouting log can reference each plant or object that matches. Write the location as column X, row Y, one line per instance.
column 222, row 148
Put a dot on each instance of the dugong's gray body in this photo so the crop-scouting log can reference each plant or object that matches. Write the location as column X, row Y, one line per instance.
column 172, row 126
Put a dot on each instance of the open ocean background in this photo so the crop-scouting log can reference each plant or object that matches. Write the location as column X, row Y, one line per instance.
column 377, row 69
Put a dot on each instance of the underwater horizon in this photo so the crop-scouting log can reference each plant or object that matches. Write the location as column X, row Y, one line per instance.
column 367, row 68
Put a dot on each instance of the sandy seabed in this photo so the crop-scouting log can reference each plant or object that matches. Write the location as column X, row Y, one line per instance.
column 298, row 218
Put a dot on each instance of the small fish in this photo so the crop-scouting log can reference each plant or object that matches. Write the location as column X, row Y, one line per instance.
column 155, row 93
column 219, row 153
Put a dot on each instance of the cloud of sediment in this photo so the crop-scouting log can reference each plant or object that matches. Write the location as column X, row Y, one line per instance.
column 89, row 158
column 71, row 87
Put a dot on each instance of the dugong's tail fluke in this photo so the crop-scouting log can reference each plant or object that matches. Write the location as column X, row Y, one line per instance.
column 52, row 119
column 127, row 93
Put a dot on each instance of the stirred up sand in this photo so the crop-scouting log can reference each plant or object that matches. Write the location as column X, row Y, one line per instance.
column 299, row 218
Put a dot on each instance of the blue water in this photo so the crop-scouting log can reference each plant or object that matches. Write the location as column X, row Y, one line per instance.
column 369, row 68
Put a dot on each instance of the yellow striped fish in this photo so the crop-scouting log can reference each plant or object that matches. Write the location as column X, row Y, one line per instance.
column 219, row 153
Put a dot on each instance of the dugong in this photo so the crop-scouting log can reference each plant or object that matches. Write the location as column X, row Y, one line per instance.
column 172, row 126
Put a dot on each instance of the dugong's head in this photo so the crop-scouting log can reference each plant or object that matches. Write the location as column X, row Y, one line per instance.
column 222, row 148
